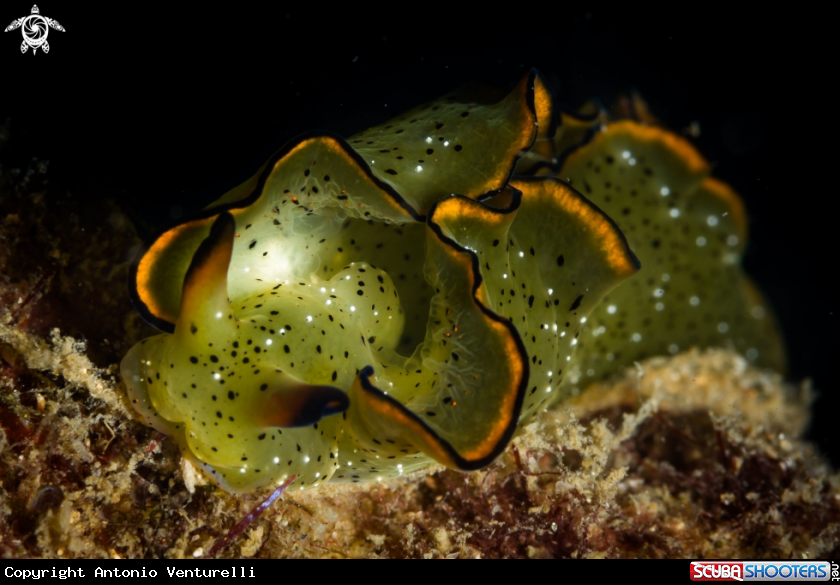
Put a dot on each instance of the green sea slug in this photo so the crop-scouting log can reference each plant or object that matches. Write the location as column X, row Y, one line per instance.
column 361, row 308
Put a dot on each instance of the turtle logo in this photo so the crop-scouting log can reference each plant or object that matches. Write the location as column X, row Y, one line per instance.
column 35, row 29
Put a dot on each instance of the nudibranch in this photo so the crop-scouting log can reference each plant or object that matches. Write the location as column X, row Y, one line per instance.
column 361, row 308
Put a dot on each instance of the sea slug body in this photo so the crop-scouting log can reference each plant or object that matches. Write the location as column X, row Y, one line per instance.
column 360, row 308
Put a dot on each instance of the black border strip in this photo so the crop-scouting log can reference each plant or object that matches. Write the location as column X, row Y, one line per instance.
column 556, row 165
column 208, row 245
column 250, row 199
column 507, row 435
column 530, row 102
column 257, row 192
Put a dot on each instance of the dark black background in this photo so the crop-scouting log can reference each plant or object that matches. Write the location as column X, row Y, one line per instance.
column 166, row 108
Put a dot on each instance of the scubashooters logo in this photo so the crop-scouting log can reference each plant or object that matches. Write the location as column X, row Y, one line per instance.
column 35, row 29
column 761, row 571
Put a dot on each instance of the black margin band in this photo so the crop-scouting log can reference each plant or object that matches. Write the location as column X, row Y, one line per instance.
column 507, row 435
column 257, row 192
column 250, row 199
column 224, row 222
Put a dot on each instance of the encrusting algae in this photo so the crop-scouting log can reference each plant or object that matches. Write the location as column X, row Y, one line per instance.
column 695, row 455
